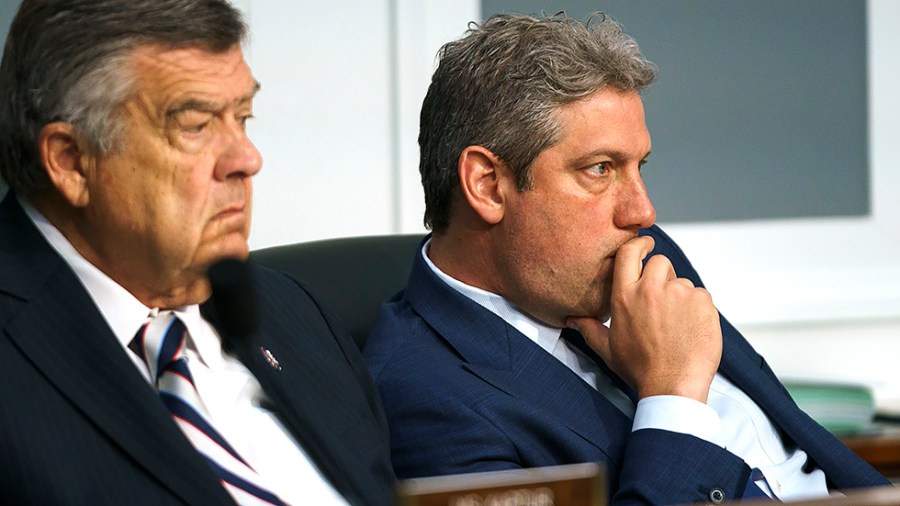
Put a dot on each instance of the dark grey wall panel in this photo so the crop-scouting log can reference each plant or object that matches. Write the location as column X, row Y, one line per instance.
column 7, row 11
column 760, row 109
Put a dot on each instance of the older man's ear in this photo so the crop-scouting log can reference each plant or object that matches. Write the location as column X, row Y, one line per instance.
column 64, row 157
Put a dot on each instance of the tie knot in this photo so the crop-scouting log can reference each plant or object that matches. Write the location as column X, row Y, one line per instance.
column 160, row 342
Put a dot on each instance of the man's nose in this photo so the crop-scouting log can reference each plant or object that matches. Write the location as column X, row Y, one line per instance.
column 240, row 156
column 634, row 208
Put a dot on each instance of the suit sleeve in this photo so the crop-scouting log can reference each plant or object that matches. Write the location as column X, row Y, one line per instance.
column 662, row 467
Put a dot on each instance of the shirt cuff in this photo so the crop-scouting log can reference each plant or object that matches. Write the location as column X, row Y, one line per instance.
column 679, row 414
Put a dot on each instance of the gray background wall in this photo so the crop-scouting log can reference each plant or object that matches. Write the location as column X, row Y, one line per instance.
column 760, row 107
column 7, row 10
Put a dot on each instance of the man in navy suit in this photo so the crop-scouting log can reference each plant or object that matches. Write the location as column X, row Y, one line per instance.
column 495, row 356
column 123, row 142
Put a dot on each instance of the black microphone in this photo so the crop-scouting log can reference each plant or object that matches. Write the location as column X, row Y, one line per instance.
column 233, row 297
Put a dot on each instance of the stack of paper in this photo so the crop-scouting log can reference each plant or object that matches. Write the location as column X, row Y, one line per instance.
column 842, row 408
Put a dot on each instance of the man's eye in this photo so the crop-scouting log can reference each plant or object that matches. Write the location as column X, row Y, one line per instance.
column 599, row 169
column 196, row 129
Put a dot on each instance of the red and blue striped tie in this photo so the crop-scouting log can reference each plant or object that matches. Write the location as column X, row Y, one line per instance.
column 160, row 342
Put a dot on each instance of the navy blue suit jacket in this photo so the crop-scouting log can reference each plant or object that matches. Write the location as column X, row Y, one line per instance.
column 80, row 425
column 465, row 392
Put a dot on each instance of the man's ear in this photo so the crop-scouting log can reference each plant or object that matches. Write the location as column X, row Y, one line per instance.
column 481, row 178
column 62, row 155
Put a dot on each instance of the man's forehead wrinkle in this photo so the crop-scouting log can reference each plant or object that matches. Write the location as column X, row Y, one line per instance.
column 198, row 101
column 173, row 68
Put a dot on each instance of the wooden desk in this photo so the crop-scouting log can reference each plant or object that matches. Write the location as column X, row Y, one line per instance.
column 567, row 485
column 878, row 496
column 880, row 449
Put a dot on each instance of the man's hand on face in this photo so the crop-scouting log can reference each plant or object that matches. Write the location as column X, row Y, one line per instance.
column 664, row 336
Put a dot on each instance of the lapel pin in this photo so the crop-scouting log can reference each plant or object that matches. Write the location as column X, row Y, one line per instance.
column 270, row 358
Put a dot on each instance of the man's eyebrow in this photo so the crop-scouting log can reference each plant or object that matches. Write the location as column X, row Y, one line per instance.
column 616, row 155
column 249, row 96
column 194, row 104
column 201, row 105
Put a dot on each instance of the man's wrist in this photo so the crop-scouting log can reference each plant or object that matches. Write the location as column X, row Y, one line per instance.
column 679, row 414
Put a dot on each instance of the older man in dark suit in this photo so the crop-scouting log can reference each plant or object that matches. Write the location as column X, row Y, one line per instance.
column 123, row 141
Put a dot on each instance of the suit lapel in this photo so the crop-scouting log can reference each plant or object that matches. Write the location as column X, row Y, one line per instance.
column 61, row 332
column 747, row 370
column 281, row 384
column 291, row 387
column 540, row 380
column 506, row 359
column 744, row 367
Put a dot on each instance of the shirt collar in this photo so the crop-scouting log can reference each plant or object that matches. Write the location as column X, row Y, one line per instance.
column 543, row 335
column 202, row 337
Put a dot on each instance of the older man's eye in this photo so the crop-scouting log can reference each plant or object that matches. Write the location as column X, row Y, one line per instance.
column 196, row 129
column 244, row 119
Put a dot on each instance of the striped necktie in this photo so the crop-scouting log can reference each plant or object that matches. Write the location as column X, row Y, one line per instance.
column 161, row 342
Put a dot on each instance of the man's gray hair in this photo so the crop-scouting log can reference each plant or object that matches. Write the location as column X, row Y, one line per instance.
column 500, row 86
column 65, row 60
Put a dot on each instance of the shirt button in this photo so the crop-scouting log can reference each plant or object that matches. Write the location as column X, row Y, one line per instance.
column 717, row 495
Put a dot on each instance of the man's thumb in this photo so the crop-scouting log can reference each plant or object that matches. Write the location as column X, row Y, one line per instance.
column 595, row 333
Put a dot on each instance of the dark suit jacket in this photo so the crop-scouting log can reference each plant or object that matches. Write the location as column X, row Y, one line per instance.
column 464, row 391
column 80, row 425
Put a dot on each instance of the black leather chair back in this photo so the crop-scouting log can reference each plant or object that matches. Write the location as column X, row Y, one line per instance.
column 351, row 276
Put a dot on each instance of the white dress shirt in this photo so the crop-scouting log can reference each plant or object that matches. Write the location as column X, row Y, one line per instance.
column 229, row 390
column 729, row 419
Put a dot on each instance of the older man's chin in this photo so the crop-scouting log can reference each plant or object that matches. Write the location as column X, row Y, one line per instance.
column 234, row 247
column 238, row 251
